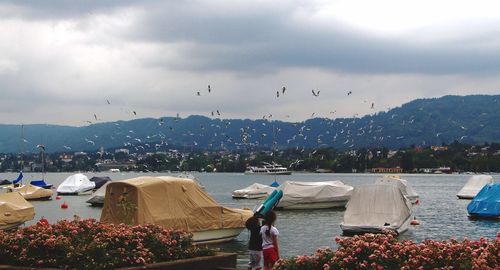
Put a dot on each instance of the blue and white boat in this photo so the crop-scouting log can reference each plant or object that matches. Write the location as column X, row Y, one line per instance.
column 486, row 204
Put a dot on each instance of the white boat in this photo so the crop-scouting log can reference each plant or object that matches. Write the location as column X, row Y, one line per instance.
column 31, row 192
column 76, row 184
column 172, row 202
column 14, row 210
column 376, row 209
column 473, row 186
column 254, row 191
column 314, row 195
column 268, row 169
column 407, row 190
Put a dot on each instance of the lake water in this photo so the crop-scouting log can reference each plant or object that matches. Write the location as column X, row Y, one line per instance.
column 441, row 214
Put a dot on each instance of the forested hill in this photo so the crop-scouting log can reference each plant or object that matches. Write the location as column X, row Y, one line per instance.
column 469, row 119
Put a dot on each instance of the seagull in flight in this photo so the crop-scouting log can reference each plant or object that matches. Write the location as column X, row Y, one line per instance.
column 315, row 93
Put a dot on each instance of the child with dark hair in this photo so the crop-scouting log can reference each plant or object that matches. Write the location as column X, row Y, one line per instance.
column 270, row 248
column 255, row 243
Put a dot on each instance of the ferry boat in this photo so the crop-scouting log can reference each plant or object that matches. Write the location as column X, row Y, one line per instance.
column 268, row 169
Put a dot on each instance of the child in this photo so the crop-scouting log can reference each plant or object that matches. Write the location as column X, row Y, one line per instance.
column 255, row 243
column 269, row 235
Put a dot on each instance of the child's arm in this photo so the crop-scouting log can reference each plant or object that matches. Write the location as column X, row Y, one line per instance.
column 275, row 244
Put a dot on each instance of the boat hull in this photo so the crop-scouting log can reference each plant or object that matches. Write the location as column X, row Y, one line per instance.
column 355, row 229
column 314, row 205
column 12, row 226
column 216, row 236
column 250, row 196
column 268, row 173
column 466, row 197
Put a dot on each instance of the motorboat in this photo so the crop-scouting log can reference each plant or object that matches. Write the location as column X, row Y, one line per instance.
column 97, row 198
column 41, row 183
column 99, row 181
column 407, row 190
column 377, row 208
column 314, row 195
column 268, row 169
column 486, row 204
column 31, row 192
column 14, row 210
column 473, row 186
column 76, row 184
column 172, row 202
column 254, row 191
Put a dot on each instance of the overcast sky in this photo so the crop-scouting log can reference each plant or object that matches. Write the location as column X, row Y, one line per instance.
column 62, row 61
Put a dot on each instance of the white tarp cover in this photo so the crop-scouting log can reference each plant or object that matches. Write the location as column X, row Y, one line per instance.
column 75, row 184
column 31, row 192
column 407, row 190
column 312, row 192
column 377, row 206
column 14, row 209
column 98, row 196
column 253, row 190
column 474, row 185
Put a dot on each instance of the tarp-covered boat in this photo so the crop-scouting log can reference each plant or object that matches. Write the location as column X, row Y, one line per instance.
column 254, row 191
column 407, row 190
column 31, row 192
column 314, row 195
column 100, row 181
column 41, row 183
column 5, row 182
column 173, row 203
column 474, row 185
column 75, row 184
column 377, row 208
column 486, row 204
column 97, row 198
column 14, row 210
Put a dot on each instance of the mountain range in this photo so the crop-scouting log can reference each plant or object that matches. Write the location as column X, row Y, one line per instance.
column 470, row 119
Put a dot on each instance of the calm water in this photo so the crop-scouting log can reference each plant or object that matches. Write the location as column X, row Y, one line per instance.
column 441, row 214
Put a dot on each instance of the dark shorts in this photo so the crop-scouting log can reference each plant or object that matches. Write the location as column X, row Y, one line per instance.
column 270, row 255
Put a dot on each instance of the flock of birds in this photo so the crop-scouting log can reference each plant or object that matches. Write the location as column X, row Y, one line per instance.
column 225, row 134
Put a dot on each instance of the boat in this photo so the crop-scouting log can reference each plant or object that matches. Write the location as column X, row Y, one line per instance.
column 254, row 191
column 473, row 186
column 14, row 210
column 268, row 169
column 172, row 202
column 99, row 181
column 76, row 184
column 192, row 177
column 407, row 190
column 41, row 183
column 5, row 182
column 377, row 208
column 486, row 204
column 314, row 195
column 31, row 192
column 97, row 198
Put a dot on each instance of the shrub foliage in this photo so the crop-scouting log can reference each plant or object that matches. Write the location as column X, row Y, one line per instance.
column 89, row 244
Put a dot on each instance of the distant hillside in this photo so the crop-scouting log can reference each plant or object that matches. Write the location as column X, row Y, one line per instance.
column 471, row 119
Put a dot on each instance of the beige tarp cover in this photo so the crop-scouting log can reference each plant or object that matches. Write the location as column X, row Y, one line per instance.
column 474, row 185
column 14, row 209
column 376, row 205
column 407, row 190
column 31, row 192
column 168, row 201
column 310, row 192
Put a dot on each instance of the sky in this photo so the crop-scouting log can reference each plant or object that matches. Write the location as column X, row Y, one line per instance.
column 87, row 61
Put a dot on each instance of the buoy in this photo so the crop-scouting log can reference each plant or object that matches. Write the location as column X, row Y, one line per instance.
column 414, row 222
column 43, row 222
column 64, row 205
column 58, row 197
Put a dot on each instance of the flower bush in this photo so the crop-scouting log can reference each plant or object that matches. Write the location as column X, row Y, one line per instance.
column 89, row 244
column 384, row 251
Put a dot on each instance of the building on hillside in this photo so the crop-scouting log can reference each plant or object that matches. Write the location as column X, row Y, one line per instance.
column 387, row 170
